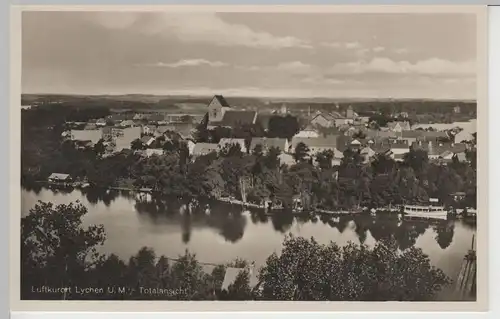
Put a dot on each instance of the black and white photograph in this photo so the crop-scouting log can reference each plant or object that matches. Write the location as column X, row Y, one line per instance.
column 233, row 155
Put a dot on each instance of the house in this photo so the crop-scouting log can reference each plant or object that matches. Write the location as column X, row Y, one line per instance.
column 235, row 118
column 399, row 147
column 147, row 140
column 323, row 120
column 148, row 129
column 100, row 122
column 461, row 157
column 456, row 109
column 308, row 132
column 378, row 134
column 59, row 178
column 411, row 136
column 268, row 143
column 315, row 144
column 90, row 126
column 86, row 135
column 343, row 121
column 190, row 146
column 216, row 109
column 227, row 142
column 286, row 159
column 153, row 151
column 367, row 153
column 399, row 126
column 463, row 136
column 123, row 137
column 200, row 149
column 350, row 114
column 458, row 196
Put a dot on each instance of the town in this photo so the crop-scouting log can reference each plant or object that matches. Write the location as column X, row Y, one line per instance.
column 295, row 137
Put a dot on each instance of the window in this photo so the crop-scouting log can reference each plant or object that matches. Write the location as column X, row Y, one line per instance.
column 215, row 113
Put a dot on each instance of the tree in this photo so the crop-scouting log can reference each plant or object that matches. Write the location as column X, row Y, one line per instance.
column 240, row 288
column 301, row 152
column 324, row 159
column 283, row 126
column 306, row 270
column 56, row 250
column 99, row 147
column 137, row 145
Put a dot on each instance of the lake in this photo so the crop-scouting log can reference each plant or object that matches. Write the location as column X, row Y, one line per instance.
column 227, row 232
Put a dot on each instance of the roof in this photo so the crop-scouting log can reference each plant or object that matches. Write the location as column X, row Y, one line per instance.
column 86, row 135
column 127, row 122
column 267, row 143
column 327, row 116
column 59, row 176
column 221, row 100
column 380, row 134
column 403, row 125
column 263, row 120
column 286, row 159
column 204, row 148
column 412, row 134
column 233, row 118
column 328, row 141
column 232, row 273
column 399, row 144
column 147, row 139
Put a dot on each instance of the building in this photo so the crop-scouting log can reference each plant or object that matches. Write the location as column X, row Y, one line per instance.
column 59, row 178
column 200, row 149
column 216, row 108
column 227, row 142
column 100, row 122
column 147, row 140
column 122, row 138
column 86, row 135
column 268, row 143
column 399, row 126
column 286, row 159
column 153, row 151
column 463, row 136
column 399, row 147
column 315, row 144
column 126, row 123
column 308, row 132
column 323, row 120
column 456, row 109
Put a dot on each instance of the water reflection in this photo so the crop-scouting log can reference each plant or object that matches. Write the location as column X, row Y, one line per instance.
column 230, row 221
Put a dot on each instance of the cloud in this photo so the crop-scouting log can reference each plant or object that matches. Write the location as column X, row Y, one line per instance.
column 352, row 45
column 378, row 49
column 432, row 66
column 401, row 51
column 295, row 66
column 199, row 28
column 187, row 63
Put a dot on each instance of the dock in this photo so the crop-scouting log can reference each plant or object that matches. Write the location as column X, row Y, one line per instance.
column 465, row 288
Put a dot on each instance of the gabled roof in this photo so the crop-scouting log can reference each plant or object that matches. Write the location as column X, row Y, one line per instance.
column 268, row 143
column 221, row 100
column 204, row 148
column 412, row 134
column 59, row 176
column 403, row 125
column 147, row 139
column 233, row 118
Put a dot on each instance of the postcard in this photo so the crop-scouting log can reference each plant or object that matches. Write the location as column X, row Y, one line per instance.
column 208, row 158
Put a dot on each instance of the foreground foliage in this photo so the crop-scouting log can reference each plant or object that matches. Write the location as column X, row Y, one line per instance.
column 57, row 250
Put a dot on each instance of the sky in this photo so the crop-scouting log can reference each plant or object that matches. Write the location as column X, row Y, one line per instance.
column 345, row 55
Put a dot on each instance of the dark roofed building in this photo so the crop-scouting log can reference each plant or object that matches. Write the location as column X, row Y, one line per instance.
column 222, row 101
column 236, row 118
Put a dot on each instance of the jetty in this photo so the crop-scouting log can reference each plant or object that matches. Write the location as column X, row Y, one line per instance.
column 465, row 288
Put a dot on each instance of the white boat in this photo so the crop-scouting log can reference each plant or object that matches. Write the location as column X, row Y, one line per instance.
column 429, row 211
